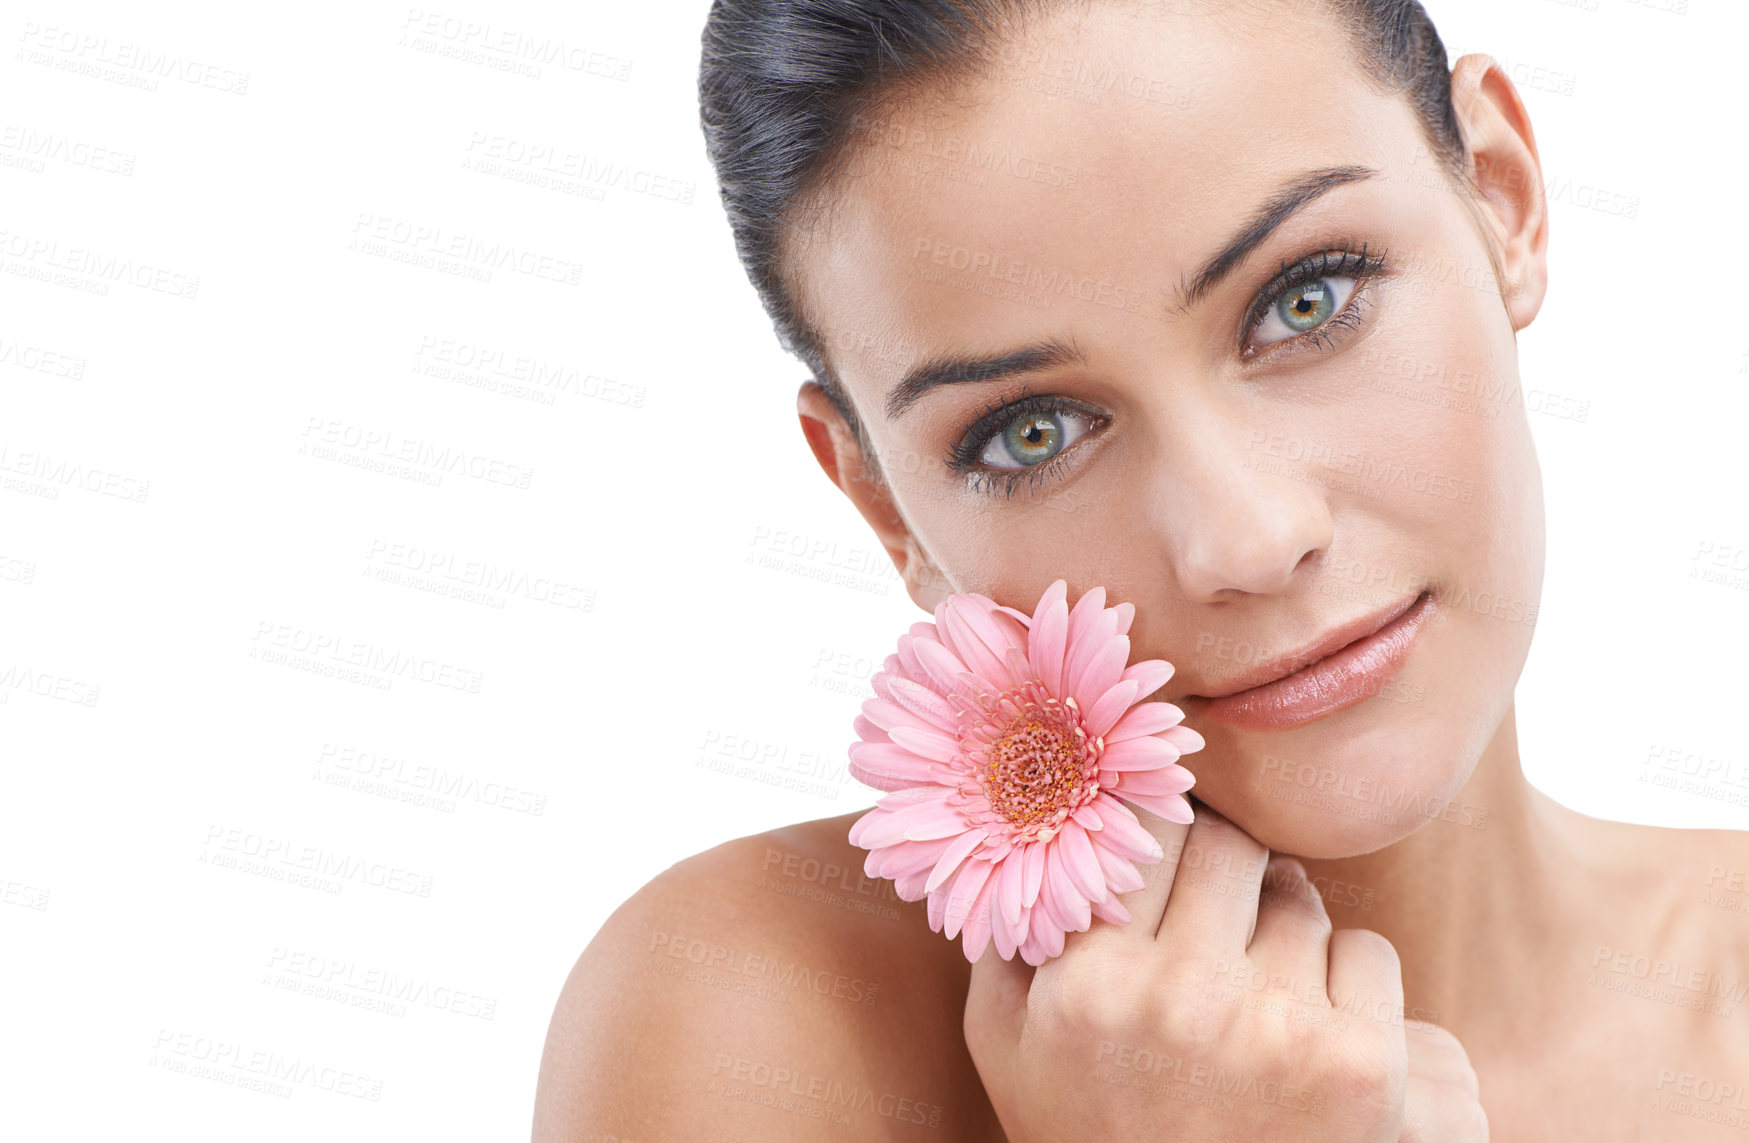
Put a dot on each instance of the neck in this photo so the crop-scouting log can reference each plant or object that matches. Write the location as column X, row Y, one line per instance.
column 1470, row 900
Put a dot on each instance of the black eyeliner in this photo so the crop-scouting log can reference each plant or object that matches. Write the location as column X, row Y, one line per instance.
column 1349, row 263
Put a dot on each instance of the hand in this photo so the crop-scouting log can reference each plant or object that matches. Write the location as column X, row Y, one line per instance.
column 1443, row 1099
column 1226, row 1009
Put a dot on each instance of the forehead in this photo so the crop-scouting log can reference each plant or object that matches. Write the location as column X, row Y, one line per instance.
column 1113, row 146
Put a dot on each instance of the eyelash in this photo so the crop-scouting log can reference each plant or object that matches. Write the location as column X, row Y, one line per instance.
column 963, row 455
column 1349, row 263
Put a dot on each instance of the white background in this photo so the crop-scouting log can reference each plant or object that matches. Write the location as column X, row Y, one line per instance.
column 184, row 545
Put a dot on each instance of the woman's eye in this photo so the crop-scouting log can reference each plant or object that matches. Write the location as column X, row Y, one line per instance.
column 1034, row 438
column 1303, row 308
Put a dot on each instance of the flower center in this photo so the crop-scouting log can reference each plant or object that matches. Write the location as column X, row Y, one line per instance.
column 1036, row 768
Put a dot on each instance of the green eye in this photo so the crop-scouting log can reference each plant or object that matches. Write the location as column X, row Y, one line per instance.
column 1304, row 307
column 1033, row 438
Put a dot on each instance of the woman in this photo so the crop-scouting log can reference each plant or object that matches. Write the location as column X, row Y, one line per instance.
column 1213, row 305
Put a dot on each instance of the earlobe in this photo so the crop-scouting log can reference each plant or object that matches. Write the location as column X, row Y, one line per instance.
column 1508, row 173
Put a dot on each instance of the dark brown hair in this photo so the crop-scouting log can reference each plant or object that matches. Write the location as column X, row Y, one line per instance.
column 784, row 85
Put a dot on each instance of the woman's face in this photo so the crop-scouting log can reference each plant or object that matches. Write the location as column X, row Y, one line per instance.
column 1258, row 463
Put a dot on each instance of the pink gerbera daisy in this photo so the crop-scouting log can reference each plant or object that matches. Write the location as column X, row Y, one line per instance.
column 1005, row 742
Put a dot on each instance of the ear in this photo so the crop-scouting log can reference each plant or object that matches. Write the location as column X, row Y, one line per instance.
column 1503, row 154
column 835, row 447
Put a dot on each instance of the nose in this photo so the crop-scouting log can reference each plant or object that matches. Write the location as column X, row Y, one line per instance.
column 1238, row 522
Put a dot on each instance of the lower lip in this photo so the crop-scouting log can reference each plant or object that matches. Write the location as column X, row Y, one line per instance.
column 1351, row 675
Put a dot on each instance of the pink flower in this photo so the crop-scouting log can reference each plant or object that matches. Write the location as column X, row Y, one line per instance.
column 1005, row 742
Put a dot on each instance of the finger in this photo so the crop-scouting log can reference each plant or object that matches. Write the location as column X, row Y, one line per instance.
column 1365, row 977
column 1146, row 904
column 1436, row 1113
column 1437, row 1055
column 1213, row 903
column 996, row 1006
column 1291, row 943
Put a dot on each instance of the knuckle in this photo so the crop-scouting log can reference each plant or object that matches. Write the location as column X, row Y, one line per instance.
column 1194, row 1020
column 1363, row 1073
column 1092, row 998
column 1374, row 945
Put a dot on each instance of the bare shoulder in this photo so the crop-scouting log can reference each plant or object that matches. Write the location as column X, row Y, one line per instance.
column 764, row 989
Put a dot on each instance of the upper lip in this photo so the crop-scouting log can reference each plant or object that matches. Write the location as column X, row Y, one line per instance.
column 1326, row 645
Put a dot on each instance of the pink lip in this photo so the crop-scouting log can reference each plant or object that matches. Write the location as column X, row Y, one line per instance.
column 1347, row 667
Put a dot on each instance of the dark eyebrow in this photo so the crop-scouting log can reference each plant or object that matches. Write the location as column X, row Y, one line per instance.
column 1270, row 215
column 951, row 369
column 956, row 370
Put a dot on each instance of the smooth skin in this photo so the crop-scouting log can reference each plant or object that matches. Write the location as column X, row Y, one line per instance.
column 1590, row 975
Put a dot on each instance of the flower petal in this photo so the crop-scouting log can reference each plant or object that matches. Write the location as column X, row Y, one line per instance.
column 1111, row 910
column 1120, row 874
column 1144, row 753
column 993, row 631
column 1173, row 779
column 1187, row 740
column 967, row 886
column 910, row 886
column 936, row 910
column 926, row 704
column 967, row 644
column 1032, row 872
column 952, row 856
column 896, row 861
column 1048, row 641
column 1084, row 616
column 979, row 927
column 1106, row 710
column 1008, row 888
column 1059, row 895
column 1001, row 935
column 919, row 821
column 1126, row 614
column 1101, row 673
column 930, row 744
column 1144, row 718
column 1152, row 674
column 942, row 666
column 868, row 731
column 886, row 714
column 1172, row 807
column 889, row 760
column 1080, row 863
column 1123, row 835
